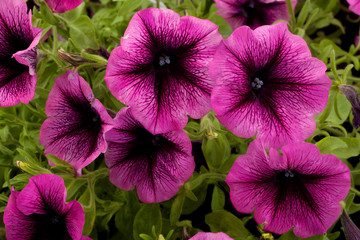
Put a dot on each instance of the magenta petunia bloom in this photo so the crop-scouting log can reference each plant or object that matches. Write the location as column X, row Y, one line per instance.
column 299, row 189
column 211, row 236
column 156, row 164
column 161, row 68
column 268, row 84
column 77, row 124
column 354, row 6
column 253, row 13
column 39, row 212
column 18, row 42
column 60, row 6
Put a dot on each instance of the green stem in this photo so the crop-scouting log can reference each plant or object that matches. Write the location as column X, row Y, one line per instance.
column 291, row 14
column 158, row 3
column 354, row 190
column 8, row 166
column 200, row 179
column 357, row 171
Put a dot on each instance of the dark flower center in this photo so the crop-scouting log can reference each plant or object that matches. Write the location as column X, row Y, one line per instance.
column 164, row 59
column 285, row 176
column 50, row 226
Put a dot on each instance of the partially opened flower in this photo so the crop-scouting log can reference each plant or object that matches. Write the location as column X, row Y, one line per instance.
column 77, row 124
column 352, row 96
column 161, row 68
column 268, row 83
column 211, row 236
column 253, row 13
column 18, row 41
column 60, row 6
column 300, row 189
column 354, row 6
column 156, row 164
column 351, row 231
column 39, row 212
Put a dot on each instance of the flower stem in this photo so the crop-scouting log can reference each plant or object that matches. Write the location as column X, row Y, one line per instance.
column 158, row 3
column 354, row 190
column 200, row 179
column 291, row 14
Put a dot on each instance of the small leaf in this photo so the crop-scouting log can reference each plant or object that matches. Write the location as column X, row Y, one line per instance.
column 224, row 221
column 82, row 32
column 148, row 216
column 218, row 199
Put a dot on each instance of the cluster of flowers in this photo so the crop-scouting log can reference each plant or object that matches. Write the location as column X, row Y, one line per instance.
column 260, row 82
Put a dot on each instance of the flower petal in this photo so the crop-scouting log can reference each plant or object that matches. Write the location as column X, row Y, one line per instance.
column 156, row 164
column 75, row 130
column 162, row 94
column 43, row 191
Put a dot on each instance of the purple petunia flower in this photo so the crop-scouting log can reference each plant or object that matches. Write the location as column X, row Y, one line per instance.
column 18, row 41
column 161, row 68
column 253, row 13
column 300, row 188
column 354, row 6
column 39, row 212
column 77, row 124
column 211, row 236
column 60, row 6
column 156, row 164
column 268, row 83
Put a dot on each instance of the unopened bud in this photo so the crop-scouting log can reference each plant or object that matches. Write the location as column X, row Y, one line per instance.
column 74, row 59
column 353, row 97
column 350, row 230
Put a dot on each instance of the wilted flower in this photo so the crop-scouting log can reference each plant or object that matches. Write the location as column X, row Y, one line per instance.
column 253, row 13
column 39, row 212
column 161, row 68
column 18, row 41
column 268, row 83
column 210, row 236
column 60, row 6
column 354, row 6
column 156, row 164
column 351, row 231
column 353, row 97
column 77, row 124
column 299, row 189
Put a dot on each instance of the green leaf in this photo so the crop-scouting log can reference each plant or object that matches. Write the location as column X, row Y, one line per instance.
column 224, row 221
column 218, row 199
column 148, row 216
column 47, row 14
column 290, row 236
column 74, row 14
column 176, row 208
column 342, row 147
column 216, row 151
column 82, row 32
column 305, row 10
column 343, row 109
column 130, row 5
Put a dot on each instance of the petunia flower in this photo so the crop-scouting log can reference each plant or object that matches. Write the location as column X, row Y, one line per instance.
column 77, row 124
column 161, row 68
column 268, row 84
column 39, row 212
column 60, row 6
column 18, row 42
column 300, row 189
column 352, row 96
column 253, row 13
column 354, row 6
column 211, row 236
column 156, row 164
